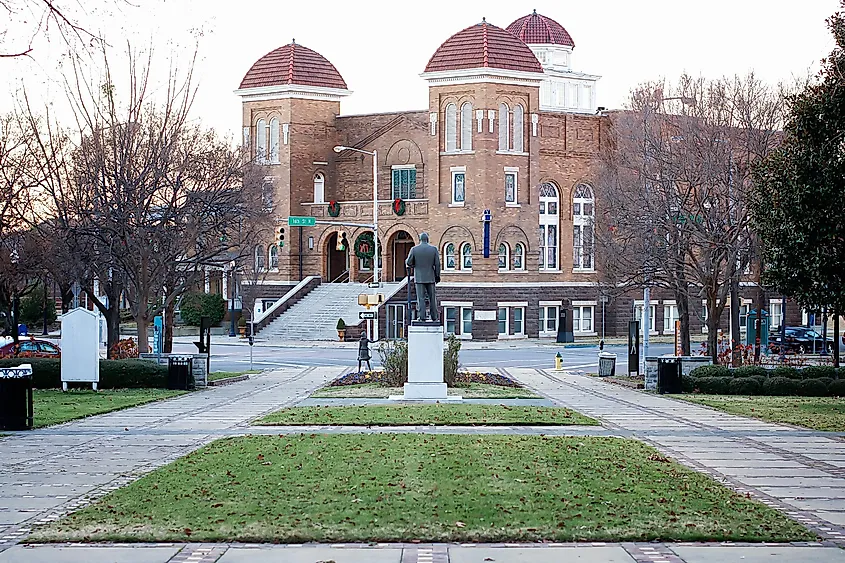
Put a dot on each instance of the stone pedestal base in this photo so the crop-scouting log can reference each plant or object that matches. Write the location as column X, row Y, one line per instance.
column 425, row 364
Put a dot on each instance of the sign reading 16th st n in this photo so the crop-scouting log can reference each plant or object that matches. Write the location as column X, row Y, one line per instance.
column 301, row 221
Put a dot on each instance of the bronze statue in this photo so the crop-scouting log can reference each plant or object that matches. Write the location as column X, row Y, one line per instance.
column 425, row 260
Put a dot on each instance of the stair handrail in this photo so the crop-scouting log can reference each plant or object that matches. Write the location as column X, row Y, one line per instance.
column 296, row 289
column 343, row 273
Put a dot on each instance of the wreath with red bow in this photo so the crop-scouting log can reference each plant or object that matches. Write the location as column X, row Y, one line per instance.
column 399, row 206
column 365, row 247
column 334, row 208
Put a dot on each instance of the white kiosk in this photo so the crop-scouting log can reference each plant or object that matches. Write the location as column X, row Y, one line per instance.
column 80, row 347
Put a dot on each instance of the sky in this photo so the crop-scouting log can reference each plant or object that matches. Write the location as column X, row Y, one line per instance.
column 381, row 47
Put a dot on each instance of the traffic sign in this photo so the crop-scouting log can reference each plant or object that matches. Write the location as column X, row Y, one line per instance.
column 301, row 221
column 366, row 315
column 374, row 285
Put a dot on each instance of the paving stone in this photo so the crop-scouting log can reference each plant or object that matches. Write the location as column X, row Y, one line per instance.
column 759, row 554
column 310, row 554
column 82, row 554
column 585, row 554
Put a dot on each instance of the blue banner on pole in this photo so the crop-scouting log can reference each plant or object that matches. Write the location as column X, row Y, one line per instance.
column 487, row 218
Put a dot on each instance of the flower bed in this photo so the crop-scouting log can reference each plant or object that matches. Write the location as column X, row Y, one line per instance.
column 357, row 378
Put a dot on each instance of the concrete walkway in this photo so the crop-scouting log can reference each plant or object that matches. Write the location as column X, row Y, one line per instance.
column 48, row 472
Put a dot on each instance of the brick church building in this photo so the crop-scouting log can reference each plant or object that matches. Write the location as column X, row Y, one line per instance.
column 499, row 169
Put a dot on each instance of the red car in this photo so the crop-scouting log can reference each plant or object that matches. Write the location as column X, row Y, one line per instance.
column 30, row 348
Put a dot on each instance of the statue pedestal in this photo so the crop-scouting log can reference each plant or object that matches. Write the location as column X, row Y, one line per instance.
column 425, row 365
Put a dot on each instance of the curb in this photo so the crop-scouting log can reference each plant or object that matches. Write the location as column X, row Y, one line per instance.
column 228, row 380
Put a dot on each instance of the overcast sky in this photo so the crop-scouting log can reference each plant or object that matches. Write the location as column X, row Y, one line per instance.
column 381, row 47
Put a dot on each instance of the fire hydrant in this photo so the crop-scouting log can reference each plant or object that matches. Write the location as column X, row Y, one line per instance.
column 558, row 362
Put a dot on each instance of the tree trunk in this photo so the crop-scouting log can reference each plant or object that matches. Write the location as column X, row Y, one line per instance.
column 67, row 296
column 682, row 299
column 836, row 338
column 712, row 329
column 142, row 321
column 736, row 334
column 112, row 316
column 169, row 317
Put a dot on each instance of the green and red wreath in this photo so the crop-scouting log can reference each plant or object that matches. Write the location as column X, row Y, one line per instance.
column 334, row 208
column 399, row 206
column 365, row 247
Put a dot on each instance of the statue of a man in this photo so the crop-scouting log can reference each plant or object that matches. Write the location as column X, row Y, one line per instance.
column 425, row 260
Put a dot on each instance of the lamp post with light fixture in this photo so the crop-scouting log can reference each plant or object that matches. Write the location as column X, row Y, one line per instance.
column 376, row 276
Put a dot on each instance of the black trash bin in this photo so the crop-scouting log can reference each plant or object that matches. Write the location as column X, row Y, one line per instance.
column 16, row 398
column 180, row 372
column 668, row 375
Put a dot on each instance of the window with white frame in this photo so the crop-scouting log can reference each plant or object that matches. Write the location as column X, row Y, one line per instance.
column 404, row 182
column 458, row 185
column 466, row 126
column 519, row 321
column 261, row 141
column 582, row 318
column 504, row 127
column 451, row 128
column 518, row 121
column 519, row 257
column 274, row 140
column 549, row 223
column 548, row 319
column 503, row 257
column 743, row 315
column 466, row 321
column 458, row 320
column 511, row 175
column 652, row 312
column 449, row 260
column 366, row 264
column 503, row 321
column 670, row 315
column 466, row 257
column 319, row 188
column 583, row 213
column 273, row 257
column 259, row 258
column 775, row 313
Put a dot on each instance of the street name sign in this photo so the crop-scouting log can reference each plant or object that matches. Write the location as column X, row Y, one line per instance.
column 302, row 221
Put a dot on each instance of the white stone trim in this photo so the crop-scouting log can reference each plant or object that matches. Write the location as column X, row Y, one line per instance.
column 432, row 119
column 519, row 284
column 550, row 304
column 584, row 303
column 491, row 119
column 535, row 119
column 512, row 304
column 284, row 91
column 285, row 133
column 456, row 303
column 479, row 116
column 483, row 74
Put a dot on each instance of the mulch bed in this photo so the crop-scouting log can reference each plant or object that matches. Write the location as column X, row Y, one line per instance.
column 357, row 378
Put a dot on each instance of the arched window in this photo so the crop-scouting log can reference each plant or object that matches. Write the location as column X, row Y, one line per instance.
column 259, row 258
column 466, row 126
column 466, row 256
column 519, row 256
column 503, row 256
column 518, row 118
column 273, row 257
column 319, row 188
column 451, row 128
column 583, row 213
column 504, row 127
column 449, row 256
column 261, row 141
column 549, row 226
column 274, row 140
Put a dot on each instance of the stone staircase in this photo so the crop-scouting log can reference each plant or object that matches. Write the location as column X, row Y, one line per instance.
column 315, row 316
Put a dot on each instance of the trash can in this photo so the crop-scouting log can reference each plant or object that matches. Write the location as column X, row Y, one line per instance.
column 668, row 375
column 607, row 364
column 16, row 398
column 180, row 373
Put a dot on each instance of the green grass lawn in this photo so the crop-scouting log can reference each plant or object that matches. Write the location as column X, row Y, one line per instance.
column 442, row 414
column 363, row 488
column 52, row 406
column 466, row 390
column 818, row 413
column 215, row 375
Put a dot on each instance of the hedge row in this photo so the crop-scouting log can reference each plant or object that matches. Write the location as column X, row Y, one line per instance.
column 760, row 385
column 809, row 372
column 114, row 374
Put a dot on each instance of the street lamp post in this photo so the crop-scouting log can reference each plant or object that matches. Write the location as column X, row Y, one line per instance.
column 376, row 276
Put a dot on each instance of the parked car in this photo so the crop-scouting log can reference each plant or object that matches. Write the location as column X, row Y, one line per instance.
column 800, row 340
column 30, row 348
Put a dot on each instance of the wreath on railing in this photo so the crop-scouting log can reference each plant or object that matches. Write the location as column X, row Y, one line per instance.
column 399, row 206
column 365, row 247
column 334, row 208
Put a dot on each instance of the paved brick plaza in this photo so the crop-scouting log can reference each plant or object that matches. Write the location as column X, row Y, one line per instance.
column 47, row 472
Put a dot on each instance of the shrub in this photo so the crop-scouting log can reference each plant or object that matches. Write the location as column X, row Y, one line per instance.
column 689, row 384
column 713, row 385
column 46, row 372
column 124, row 349
column 748, row 371
column 817, row 372
column 710, row 371
column 394, row 360
column 32, row 308
column 837, row 388
column 745, row 386
column 114, row 374
column 780, row 386
column 812, row 388
column 341, row 325
column 826, row 381
column 450, row 360
column 194, row 306
column 787, row 372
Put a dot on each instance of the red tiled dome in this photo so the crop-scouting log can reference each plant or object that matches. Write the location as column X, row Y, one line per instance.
column 483, row 45
column 293, row 64
column 536, row 29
